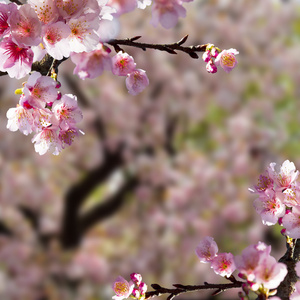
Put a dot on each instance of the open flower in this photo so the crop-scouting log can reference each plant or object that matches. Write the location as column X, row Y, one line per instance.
column 226, row 59
column 122, row 288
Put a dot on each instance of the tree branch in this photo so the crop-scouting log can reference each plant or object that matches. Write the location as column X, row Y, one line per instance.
column 170, row 48
column 71, row 231
column 180, row 289
column 17, row 2
column 290, row 258
column 109, row 207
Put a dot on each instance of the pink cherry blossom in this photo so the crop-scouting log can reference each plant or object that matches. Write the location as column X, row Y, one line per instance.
column 207, row 249
column 91, row 64
column 292, row 195
column 250, row 259
column 136, row 81
column 122, row 64
column 55, row 40
column 286, row 175
column 5, row 11
column 223, row 264
column 66, row 111
column 122, row 288
column 291, row 222
column 15, row 60
column 83, row 35
column 264, row 182
column 46, row 10
column 122, row 6
column 167, row 12
column 25, row 26
column 226, row 59
column 20, row 118
column 270, row 207
column 270, row 273
column 67, row 136
column 40, row 90
column 47, row 140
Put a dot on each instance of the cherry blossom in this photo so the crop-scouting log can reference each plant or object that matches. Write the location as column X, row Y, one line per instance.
column 136, row 81
column 47, row 140
column 39, row 90
column 25, row 26
column 16, row 60
column 207, row 249
column 270, row 207
column 122, row 64
column 226, row 59
column 5, row 11
column 122, row 288
column 291, row 222
column 167, row 12
column 223, row 264
column 66, row 111
column 55, row 39
column 286, row 176
column 92, row 64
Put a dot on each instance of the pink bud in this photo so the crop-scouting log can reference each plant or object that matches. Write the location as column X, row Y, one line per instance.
column 58, row 85
column 206, row 56
column 136, row 293
column 136, row 278
column 211, row 67
column 143, row 288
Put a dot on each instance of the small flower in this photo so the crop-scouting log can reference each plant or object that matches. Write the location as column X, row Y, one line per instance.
column 136, row 81
column 270, row 207
column 66, row 111
column 226, row 59
column 207, row 249
column 286, row 175
column 122, row 288
column 291, row 222
column 122, row 64
column 223, row 264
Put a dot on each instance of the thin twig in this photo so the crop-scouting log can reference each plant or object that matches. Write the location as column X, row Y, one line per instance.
column 180, row 289
column 170, row 48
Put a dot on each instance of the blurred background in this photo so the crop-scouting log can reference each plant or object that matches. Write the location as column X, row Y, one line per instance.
column 157, row 172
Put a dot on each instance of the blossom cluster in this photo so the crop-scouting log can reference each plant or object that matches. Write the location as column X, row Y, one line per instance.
column 214, row 57
column 255, row 265
column 279, row 198
column 62, row 27
column 92, row 64
column 135, row 288
column 44, row 110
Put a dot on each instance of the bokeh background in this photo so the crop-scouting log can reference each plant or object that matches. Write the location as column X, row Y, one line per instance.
column 175, row 161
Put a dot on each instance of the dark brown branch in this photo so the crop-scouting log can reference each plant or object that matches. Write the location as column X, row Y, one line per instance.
column 4, row 230
column 71, row 231
column 180, row 289
column 109, row 207
column 170, row 48
column 290, row 258
column 17, row 2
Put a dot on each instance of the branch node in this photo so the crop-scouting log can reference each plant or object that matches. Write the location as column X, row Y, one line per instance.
column 183, row 40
